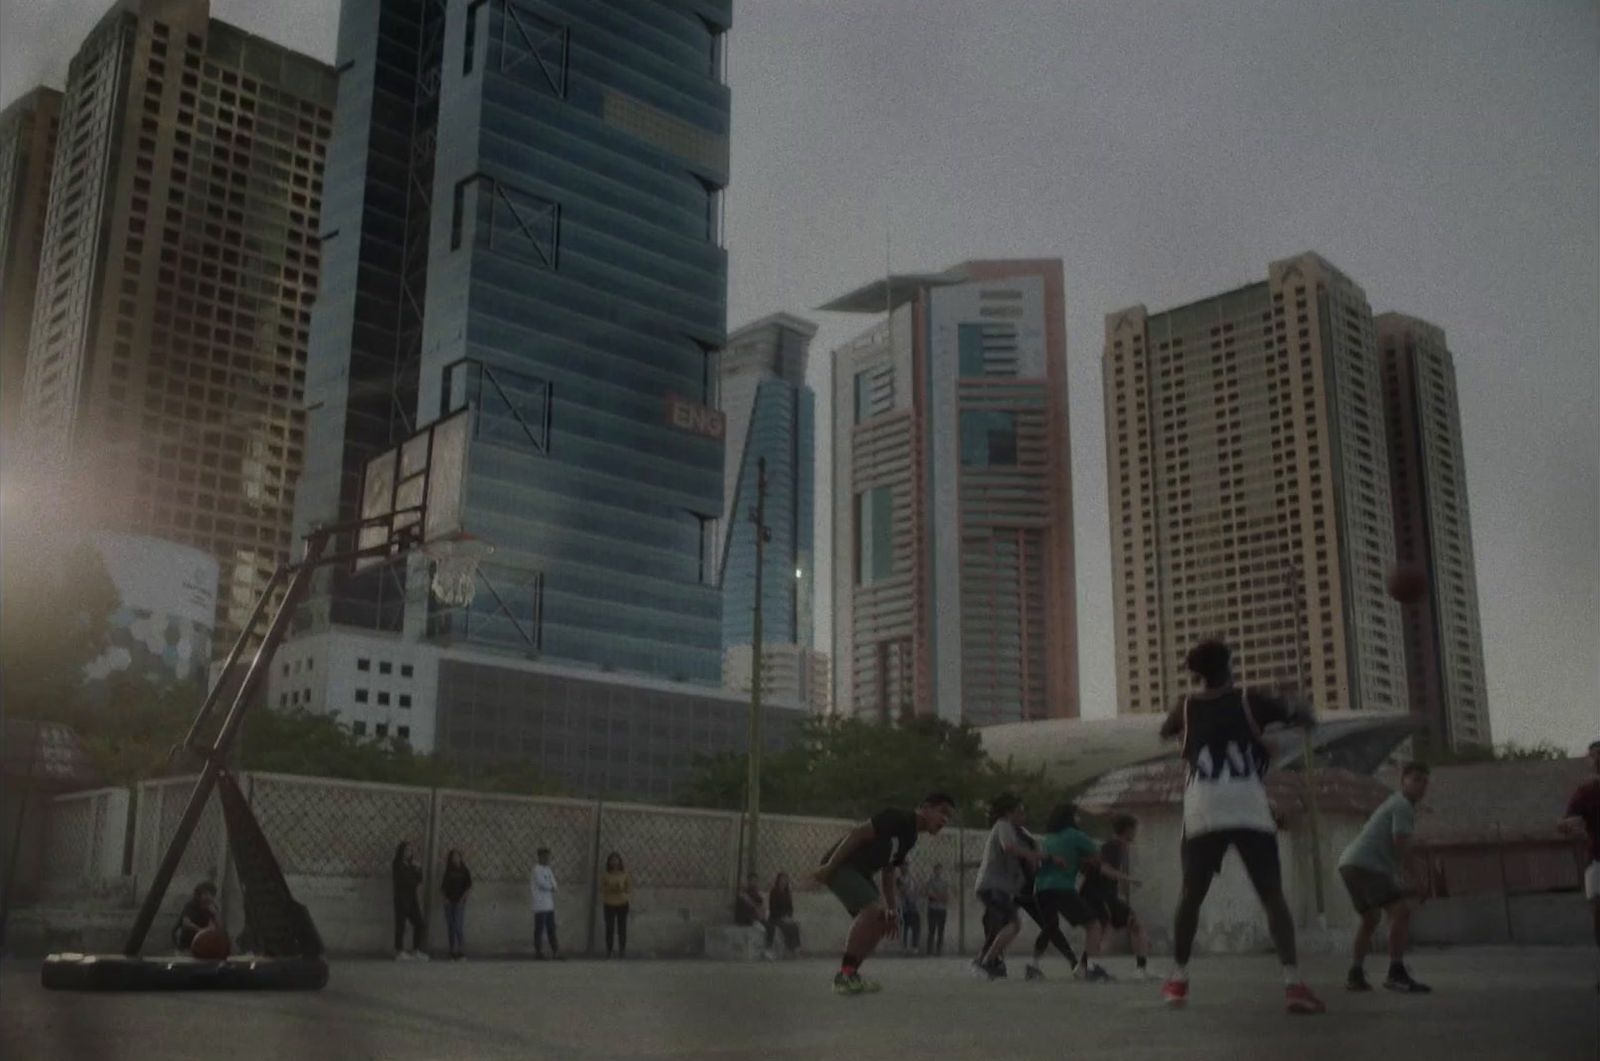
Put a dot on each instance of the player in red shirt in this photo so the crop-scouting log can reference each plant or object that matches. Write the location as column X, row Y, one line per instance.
column 1583, row 817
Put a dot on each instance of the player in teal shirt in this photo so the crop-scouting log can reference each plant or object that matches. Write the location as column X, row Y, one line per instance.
column 1067, row 850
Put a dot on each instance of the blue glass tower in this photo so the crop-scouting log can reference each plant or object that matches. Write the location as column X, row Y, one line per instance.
column 770, row 414
column 523, row 215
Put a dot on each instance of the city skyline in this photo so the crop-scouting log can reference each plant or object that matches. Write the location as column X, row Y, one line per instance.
column 1440, row 170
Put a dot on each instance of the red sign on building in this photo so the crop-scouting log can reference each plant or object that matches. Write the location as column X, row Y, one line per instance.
column 695, row 418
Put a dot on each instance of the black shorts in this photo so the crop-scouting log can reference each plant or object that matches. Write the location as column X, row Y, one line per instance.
column 1111, row 909
column 1203, row 855
column 1000, row 907
column 1370, row 890
column 1069, row 904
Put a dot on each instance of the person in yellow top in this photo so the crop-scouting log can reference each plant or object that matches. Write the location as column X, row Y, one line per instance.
column 616, row 890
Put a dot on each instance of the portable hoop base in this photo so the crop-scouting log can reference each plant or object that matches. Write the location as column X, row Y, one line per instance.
column 118, row 972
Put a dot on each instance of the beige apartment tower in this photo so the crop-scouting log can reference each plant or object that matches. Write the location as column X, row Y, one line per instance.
column 1249, row 491
column 1444, row 641
column 27, row 147
column 177, row 269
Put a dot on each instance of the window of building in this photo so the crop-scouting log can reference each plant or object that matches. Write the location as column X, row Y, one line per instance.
column 381, row 729
column 363, row 664
column 988, row 438
column 874, row 526
column 359, row 728
column 361, row 696
column 383, row 699
column 404, row 732
column 385, row 667
column 405, row 670
column 405, row 699
column 863, row 396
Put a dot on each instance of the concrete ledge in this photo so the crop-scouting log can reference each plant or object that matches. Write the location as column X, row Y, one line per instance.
column 735, row 943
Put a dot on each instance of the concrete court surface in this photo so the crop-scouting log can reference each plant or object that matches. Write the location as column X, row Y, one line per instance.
column 1534, row 1003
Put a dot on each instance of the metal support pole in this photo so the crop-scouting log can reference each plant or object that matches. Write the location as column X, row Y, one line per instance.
column 210, row 702
column 316, row 542
column 1297, row 591
column 758, row 516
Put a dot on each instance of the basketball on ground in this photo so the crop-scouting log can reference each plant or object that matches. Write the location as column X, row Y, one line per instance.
column 210, row 944
column 1407, row 584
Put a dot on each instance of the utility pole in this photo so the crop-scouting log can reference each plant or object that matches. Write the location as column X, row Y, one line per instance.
column 1298, row 596
column 758, row 516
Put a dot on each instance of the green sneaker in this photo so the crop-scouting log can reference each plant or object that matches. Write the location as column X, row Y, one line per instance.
column 847, row 985
column 868, row 987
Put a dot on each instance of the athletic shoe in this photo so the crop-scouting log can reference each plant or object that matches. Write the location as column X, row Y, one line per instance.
column 402, row 956
column 1175, row 993
column 1299, row 999
column 1098, row 975
column 1033, row 972
column 996, row 970
column 1143, row 974
column 420, row 956
column 869, row 987
column 1400, row 980
column 1080, row 970
column 847, row 985
column 1357, row 981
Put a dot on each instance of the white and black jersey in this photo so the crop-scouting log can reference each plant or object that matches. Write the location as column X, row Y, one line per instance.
column 1226, row 758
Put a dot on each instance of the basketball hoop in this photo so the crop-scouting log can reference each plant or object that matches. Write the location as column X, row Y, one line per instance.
column 455, row 568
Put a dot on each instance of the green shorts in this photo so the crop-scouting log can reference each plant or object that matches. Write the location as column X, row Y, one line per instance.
column 854, row 889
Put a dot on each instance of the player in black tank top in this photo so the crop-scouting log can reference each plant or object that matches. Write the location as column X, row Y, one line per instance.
column 1225, row 805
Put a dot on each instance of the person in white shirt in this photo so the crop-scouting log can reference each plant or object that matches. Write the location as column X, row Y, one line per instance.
column 544, row 907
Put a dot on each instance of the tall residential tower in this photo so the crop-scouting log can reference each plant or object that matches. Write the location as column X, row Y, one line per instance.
column 1428, row 476
column 1249, row 491
column 167, row 349
column 953, row 587
column 27, row 149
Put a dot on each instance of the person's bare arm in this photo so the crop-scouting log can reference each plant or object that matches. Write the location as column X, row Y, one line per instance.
column 861, row 834
column 1173, row 725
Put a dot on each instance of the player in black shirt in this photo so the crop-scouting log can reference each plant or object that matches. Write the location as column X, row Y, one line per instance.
column 1225, row 805
column 876, row 846
column 1101, row 890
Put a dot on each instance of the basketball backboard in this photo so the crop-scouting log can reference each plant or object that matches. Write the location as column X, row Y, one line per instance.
column 416, row 492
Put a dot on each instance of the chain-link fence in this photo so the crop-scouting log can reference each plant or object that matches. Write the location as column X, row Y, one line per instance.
column 85, row 838
column 671, row 847
column 325, row 828
column 159, row 805
column 500, row 836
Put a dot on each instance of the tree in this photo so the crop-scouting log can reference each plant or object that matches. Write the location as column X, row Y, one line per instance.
column 850, row 768
column 1508, row 752
column 57, row 619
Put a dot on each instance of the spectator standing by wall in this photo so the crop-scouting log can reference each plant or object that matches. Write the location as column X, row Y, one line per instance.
column 543, row 887
column 938, row 905
column 407, row 908
column 457, row 881
column 910, row 913
column 616, row 893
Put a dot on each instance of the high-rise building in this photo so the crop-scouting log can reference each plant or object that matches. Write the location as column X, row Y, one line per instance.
column 524, row 210
column 1428, row 479
column 953, row 588
column 179, row 261
column 1249, row 491
column 27, row 148
column 770, row 415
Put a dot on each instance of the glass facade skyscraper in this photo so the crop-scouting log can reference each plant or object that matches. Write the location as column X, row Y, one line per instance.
column 523, row 216
column 771, row 414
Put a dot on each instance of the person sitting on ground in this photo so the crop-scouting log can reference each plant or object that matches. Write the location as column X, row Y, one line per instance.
column 200, row 912
column 749, row 908
column 780, row 916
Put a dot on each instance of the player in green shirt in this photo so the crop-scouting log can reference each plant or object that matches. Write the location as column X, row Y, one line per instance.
column 1067, row 851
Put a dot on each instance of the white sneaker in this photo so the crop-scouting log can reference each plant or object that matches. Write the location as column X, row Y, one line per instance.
column 420, row 956
column 1143, row 974
column 402, row 956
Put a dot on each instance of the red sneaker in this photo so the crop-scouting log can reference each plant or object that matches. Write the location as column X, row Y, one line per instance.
column 1175, row 993
column 1299, row 999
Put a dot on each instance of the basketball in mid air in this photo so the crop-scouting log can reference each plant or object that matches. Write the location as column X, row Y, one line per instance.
column 1407, row 583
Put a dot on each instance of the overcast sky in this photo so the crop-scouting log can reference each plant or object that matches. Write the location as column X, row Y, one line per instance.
column 1445, row 155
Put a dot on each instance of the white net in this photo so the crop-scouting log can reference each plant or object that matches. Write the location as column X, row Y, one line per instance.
column 455, row 569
